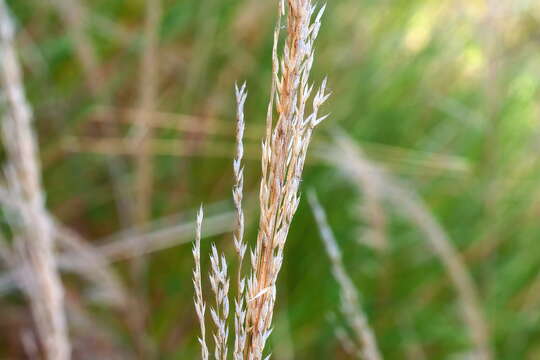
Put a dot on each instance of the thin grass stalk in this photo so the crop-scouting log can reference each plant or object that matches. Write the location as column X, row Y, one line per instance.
column 347, row 155
column 144, row 168
column 455, row 267
column 74, row 15
column 148, row 91
column 42, row 281
column 219, row 282
column 350, row 304
column 190, row 124
column 125, row 245
column 239, row 244
column 345, row 340
column 160, row 147
column 372, row 211
column 200, row 305
column 85, row 259
column 75, row 18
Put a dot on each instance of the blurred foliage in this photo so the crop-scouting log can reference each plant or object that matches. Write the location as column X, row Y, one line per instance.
column 410, row 78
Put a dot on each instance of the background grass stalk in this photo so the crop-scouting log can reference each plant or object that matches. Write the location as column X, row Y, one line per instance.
column 35, row 240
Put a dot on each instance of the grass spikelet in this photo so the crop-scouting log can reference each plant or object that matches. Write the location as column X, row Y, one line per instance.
column 219, row 282
column 200, row 305
column 350, row 304
column 239, row 244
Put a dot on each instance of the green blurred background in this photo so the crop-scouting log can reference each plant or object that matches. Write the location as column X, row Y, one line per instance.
column 444, row 94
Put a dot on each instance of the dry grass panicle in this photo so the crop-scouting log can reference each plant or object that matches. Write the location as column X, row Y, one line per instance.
column 200, row 305
column 239, row 244
column 284, row 151
column 219, row 282
column 365, row 344
column 31, row 223
column 289, row 126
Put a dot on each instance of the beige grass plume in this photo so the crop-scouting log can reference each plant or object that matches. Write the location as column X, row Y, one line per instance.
column 284, row 152
column 41, row 280
column 289, row 126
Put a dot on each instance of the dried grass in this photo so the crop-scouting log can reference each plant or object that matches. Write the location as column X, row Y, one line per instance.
column 34, row 233
column 200, row 305
column 144, row 167
column 219, row 281
column 366, row 344
column 239, row 244
column 148, row 92
column 93, row 262
column 284, row 150
column 347, row 156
